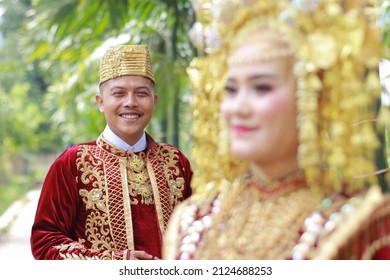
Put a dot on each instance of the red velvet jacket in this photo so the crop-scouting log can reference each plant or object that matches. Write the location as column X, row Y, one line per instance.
column 88, row 211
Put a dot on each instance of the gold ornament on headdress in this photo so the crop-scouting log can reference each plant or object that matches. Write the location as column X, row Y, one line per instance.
column 126, row 60
column 337, row 47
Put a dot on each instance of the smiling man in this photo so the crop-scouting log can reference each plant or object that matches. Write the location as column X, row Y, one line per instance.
column 112, row 198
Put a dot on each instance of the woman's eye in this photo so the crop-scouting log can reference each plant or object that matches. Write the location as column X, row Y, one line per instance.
column 263, row 88
column 230, row 90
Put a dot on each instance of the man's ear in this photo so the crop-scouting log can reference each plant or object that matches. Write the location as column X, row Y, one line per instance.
column 99, row 101
column 155, row 98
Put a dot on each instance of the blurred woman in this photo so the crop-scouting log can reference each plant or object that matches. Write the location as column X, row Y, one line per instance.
column 300, row 93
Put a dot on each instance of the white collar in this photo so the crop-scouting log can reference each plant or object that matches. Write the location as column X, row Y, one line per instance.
column 113, row 139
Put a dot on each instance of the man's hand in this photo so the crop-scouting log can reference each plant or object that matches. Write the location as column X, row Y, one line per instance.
column 139, row 255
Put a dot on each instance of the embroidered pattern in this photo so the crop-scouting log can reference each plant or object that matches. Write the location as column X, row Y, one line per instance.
column 74, row 251
column 176, row 188
column 91, row 168
column 166, row 159
column 106, row 172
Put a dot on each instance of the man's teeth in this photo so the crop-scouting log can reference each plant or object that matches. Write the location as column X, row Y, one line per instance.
column 127, row 116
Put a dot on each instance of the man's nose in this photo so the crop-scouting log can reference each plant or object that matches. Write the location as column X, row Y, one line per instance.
column 130, row 100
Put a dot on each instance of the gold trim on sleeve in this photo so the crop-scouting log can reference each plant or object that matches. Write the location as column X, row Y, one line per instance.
column 156, row 195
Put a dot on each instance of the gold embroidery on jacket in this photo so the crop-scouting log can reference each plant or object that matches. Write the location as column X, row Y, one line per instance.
column 171, row 170
column 100, row 239
column 97, row 224
column 176, row 188
column 92, row 198
column 65, row 251
column 108, row 225
column 163, row 170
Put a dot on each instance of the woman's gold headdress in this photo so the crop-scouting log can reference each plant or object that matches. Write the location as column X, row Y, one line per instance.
column 337, row 45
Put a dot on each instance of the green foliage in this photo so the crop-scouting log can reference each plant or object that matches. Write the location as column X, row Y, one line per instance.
column 385, row 22
column 72, row 36
column 49, row 60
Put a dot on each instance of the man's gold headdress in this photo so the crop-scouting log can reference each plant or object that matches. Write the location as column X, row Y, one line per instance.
column 126, row 60
column 337, row 45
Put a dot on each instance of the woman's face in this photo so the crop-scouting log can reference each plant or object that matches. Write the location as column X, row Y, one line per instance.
column 260, row 103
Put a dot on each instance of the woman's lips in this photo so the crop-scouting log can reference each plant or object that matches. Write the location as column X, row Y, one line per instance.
column 242, row 130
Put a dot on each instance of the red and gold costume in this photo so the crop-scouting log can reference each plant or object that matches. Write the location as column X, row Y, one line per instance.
column 334, row 208
column 99, row 202
column 246, row 221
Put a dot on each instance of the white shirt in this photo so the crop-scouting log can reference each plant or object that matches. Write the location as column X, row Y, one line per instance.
column 113, row 139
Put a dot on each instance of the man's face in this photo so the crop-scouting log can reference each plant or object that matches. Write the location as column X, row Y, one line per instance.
column 128, row 104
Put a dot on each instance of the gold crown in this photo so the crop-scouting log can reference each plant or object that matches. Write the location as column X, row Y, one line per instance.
column 338, row 48
column 126, row 60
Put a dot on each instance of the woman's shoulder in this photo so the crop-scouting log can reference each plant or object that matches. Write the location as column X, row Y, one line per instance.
column 193, row 215
column 357, row 227
column 205, row 201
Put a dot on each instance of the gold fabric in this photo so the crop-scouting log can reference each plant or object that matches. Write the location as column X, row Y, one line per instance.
column 238, row 221
column 110, row 220
column 126, row 60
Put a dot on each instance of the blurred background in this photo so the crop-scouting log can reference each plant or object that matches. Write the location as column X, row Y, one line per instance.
column 49, row 59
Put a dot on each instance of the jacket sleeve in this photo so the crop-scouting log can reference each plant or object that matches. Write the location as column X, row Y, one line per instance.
column 56, row 215
column 187, row 173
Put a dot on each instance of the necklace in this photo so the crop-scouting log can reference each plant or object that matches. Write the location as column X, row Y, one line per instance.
column 257, row 224
column 285, row 184
column 138, row 179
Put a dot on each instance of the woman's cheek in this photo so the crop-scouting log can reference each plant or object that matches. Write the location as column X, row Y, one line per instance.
column 225, row 109
column 272, row 106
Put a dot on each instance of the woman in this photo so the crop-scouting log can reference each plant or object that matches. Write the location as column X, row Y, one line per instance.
column 298, row 100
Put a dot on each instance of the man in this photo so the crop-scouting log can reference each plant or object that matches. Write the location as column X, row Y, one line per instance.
column 112, row 198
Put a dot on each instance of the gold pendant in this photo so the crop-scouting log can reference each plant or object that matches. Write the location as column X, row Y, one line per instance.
column 146, row 194
column 138, row 180
column 136, row 164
